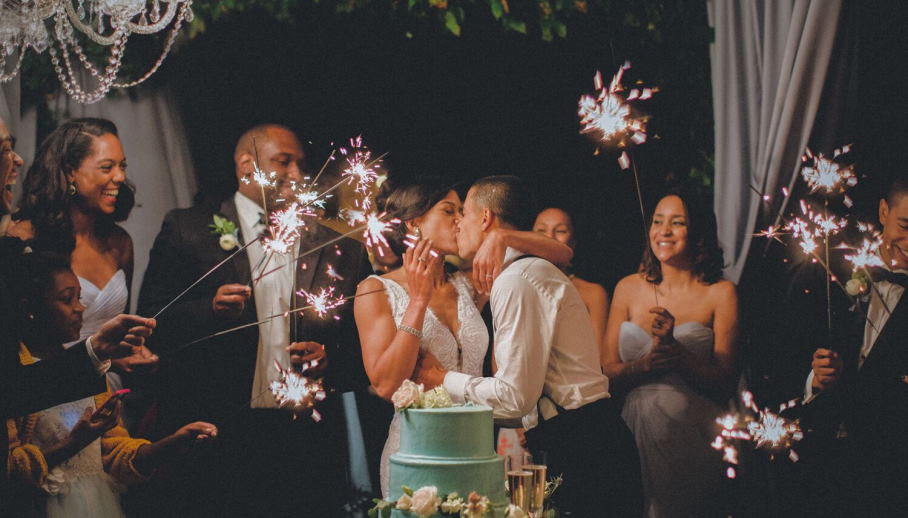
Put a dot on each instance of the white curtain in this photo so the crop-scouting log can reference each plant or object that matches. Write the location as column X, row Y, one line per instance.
column 154, row 141
column 769, row 64
column 9, row 104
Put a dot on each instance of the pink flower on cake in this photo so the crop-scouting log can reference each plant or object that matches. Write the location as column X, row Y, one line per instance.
column 477, row 507
column 407, row 395
column 425, row 501
column 404, row 503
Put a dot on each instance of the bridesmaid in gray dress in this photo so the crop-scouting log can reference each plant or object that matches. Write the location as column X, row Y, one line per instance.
column 670, row 346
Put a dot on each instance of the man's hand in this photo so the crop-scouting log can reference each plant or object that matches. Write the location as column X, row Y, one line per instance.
column 827, row 369
column 311, row 353
column 119, row 336
column 230, row 300
column 142, row 360
column 197, row 431
column 429, row 371
column 489, row 259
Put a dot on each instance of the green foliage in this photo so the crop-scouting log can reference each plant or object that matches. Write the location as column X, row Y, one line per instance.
column 222, row 226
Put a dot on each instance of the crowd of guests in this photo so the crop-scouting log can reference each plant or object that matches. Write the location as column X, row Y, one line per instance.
column 620, row 390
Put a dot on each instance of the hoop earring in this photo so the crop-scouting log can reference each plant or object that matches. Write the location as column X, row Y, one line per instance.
column 71, row 189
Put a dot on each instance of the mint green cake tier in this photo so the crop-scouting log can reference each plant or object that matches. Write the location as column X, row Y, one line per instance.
column 451, row 449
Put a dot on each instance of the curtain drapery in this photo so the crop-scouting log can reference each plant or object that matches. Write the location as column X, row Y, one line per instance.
column 769, row 64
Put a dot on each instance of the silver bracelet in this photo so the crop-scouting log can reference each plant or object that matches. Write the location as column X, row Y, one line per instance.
column 412, row 330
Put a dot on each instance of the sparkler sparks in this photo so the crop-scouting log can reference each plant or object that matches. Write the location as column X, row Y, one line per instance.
column 375, row 231
column 822, row 174
column 297, row 392
column 608, row 115
column 766, row 430
column 285, row 229
column 323, row 301
column 867, row 255
column 260, row 177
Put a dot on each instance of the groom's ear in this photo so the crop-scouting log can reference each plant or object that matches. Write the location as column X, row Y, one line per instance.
column 487, row 218
column 244, row 163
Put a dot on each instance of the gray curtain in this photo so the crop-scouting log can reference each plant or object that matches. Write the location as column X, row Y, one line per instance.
column 769, row 63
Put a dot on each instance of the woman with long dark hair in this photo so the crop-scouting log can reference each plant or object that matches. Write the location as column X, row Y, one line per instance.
column 73, row 196
column 670, row 344
column 419, row 309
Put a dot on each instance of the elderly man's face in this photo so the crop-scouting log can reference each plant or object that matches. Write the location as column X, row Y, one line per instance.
column 10, row 162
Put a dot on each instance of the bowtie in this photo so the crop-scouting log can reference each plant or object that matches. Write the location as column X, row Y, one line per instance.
column 881, row 274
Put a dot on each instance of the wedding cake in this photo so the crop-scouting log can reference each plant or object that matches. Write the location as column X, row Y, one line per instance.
column 449, row 449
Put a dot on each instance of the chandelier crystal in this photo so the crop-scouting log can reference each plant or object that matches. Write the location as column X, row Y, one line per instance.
column 24, row 25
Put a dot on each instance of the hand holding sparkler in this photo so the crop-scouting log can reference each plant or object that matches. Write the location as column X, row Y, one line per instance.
column 230, row 300
column 118, row 337
column 827, row 368
column 310, row 357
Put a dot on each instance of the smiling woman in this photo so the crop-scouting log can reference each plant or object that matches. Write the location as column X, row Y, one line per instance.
column 73, row 195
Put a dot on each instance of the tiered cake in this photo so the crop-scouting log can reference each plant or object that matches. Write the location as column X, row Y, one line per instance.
column 451, row 449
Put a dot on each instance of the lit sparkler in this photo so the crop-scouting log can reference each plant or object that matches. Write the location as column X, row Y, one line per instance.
column 259, row 177
column 608, row 115
column 866, row 255
column 765, row 429
column 375, row 231
column 298, row 392
column 322, row 301
column 285, row 228
column 824, row 175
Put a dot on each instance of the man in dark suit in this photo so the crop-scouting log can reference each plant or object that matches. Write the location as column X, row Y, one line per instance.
column 268, row 464
column 858, row 392
column 77, row 373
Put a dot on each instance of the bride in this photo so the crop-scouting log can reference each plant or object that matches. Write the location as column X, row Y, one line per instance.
column 670, row 344
column 425, row 310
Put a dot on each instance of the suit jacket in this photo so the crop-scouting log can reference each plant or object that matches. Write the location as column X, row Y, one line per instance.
column 211, row 379
column 26, row 389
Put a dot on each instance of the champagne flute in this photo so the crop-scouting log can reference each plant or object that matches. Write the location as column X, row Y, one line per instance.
column 538, row 468
column 520, row 484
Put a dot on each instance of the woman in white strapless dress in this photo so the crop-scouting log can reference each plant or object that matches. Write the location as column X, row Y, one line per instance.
column 670, row 346
column 419, row 310
column 73, row 195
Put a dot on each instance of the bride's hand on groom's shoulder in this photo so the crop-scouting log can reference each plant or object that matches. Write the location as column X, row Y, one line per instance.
column 424, row 270
column 488, row 260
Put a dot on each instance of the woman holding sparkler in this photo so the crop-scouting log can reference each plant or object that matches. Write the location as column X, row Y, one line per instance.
column 74, row 194
column 557, row 224
column 69, row 458
column 675, row 373
column 424, row 310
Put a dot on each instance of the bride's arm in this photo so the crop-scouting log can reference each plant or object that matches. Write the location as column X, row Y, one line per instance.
column 389, row 351
column 490, row 256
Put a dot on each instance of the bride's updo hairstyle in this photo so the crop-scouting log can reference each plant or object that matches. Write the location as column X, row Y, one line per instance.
column 706, row 257
column 410, row 201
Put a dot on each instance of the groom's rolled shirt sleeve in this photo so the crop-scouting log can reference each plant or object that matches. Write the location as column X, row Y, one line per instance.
column 524, row 325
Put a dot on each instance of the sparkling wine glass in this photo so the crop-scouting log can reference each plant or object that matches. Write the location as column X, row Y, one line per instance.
column 537, row 466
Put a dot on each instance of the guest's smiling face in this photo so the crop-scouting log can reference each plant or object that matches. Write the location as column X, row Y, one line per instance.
column 556, row 224
column 10, row 162
column 668, row 232
column 100, row 175
column 439, row 223
column 894, row 219
column 469, row 228
column 65, row 310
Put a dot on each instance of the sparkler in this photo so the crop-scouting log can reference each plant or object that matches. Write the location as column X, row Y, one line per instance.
column 608, row 117
column 375, row 231
column 285, row 228
column 297, row 391
column 826, row 176
column 323, row 301
column 765, row 429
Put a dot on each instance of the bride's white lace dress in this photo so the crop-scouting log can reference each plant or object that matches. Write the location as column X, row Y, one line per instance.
column 462, row 353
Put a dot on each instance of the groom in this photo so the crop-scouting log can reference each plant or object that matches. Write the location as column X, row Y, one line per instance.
column 548, row 377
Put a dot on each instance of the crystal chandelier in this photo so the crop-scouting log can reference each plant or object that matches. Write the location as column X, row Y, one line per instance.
column 24, row 24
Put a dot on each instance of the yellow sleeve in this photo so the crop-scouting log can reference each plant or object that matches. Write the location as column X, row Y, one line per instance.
column 118, row 450
column 25, row 462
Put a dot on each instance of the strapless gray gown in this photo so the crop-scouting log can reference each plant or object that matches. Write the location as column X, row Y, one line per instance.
column 674, row 426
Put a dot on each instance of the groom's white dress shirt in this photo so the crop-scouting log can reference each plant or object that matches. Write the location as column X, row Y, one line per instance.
column 544, row 339
column 273, row 295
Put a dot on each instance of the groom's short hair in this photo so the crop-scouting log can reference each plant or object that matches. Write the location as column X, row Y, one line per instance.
column 508, row 197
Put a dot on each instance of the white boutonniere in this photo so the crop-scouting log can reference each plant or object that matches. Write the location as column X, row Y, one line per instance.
column 228, row 232
column 858, row 287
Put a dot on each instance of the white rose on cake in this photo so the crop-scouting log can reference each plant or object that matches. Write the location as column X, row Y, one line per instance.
column 425, row 501
column 407, row 395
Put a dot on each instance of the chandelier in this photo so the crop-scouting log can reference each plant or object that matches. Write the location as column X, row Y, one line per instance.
column 52, row 26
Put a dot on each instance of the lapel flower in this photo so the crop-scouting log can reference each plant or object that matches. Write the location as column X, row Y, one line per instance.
column 858, row 287
column 228, row 232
